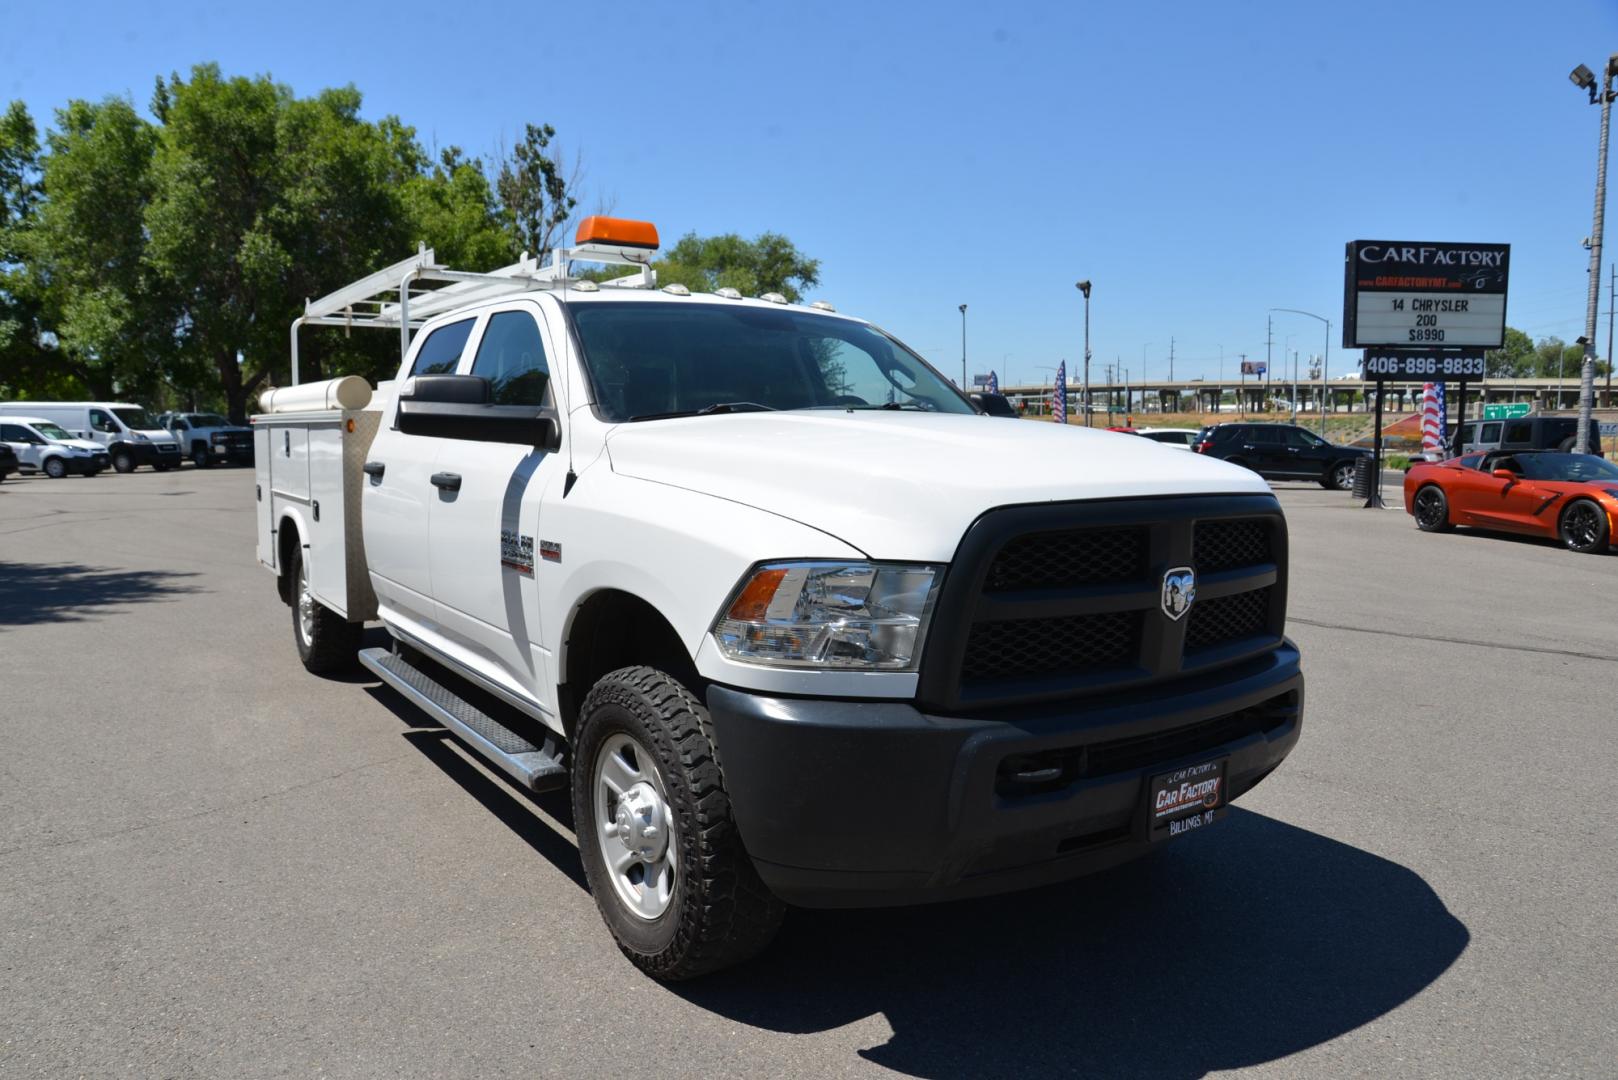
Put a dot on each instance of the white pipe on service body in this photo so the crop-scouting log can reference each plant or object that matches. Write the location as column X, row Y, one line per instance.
column 347, row 392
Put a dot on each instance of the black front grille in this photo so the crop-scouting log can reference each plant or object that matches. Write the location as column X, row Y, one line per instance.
column 1063, row 599
column 1226, row 545
column 1227, row 618
column 1037, row 647
column 1056, row 560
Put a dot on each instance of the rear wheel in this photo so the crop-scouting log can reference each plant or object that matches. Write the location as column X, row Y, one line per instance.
column 54, row 468
column 123, row 461
column 1431, row 509
column 1340, row 477
column 326, row 641
column 1584, row 527
column 660, row 848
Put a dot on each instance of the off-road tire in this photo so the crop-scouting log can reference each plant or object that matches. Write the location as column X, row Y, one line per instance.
column 123, row 461
column 1585, row 541
column 719, row 913
column 54, row 468
column 331, row 643
column 1431, row 516
column 200, row 458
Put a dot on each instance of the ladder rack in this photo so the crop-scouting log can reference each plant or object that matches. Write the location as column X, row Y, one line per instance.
column 399, row 296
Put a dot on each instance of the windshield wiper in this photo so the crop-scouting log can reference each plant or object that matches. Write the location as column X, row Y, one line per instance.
column 707, row 410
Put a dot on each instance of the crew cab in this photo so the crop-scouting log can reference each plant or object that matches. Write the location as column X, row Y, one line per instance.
column 794, row 622
column 208, row 438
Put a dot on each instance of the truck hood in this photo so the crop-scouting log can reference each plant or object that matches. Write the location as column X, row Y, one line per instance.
column 905, row 485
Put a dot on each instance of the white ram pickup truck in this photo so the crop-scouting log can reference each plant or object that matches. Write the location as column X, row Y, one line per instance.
column 794, row 621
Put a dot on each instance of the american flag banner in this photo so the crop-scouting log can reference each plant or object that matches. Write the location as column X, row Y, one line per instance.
column 1061, row 392
column 994, row 383
column 1433, row 421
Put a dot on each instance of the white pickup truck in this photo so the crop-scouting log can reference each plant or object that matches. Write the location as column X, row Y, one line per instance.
column 795, row 622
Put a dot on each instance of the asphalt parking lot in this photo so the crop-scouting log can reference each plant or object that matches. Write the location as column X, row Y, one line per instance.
column 213, row 864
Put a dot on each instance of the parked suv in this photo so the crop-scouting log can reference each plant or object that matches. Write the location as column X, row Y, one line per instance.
column 1282, row 452
column 208, row 437
column 1520, row 433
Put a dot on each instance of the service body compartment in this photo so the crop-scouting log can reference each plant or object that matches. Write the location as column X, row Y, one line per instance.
column 310, row 467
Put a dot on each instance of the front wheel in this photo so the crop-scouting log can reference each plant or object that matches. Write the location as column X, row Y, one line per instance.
column 200, row 458
column 54, row 468
column 123, row 461
column 1431, row 509
column 326, row 641
column 1584, row 527
column 660, row 848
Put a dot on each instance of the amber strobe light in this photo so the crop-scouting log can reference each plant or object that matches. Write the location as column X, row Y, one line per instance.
column 620, row 232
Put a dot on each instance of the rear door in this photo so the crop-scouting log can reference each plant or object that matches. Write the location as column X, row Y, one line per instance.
column 398, row 496
column 486, row 532
column 1266, row 452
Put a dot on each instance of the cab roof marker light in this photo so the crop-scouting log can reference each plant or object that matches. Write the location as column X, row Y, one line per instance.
column 821, row 305
column 774, row 298
column 728, row 293
column 677, row 289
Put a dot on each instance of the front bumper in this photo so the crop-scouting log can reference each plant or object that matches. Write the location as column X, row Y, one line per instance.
column 853, row 803
column 150, row 453
column 85, row 466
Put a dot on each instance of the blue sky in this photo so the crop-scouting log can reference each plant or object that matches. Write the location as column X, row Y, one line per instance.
column 1200, row 162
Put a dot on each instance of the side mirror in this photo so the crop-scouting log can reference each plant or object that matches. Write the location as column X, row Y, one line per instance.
column 1504, row 474
column 458, row 407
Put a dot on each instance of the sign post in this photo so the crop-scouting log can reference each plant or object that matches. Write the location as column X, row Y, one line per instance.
column 1423, row 312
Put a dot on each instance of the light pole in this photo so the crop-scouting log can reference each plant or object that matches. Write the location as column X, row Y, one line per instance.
column 1084, row 287
column 1584, row 79
column 963, row 348
column 1325, row 359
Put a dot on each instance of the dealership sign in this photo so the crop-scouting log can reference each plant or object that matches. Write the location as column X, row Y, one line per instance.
column 1424, row 296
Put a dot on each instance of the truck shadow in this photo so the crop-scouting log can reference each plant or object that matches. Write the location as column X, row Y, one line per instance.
column 1241, row 947
column 33, row 593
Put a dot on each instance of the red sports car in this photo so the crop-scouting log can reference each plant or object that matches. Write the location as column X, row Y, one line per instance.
column 1568, row 497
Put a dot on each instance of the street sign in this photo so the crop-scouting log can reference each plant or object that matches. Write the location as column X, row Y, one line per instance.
column 1608, row 428
column 1406, row 364
column 1399, row 294
column 1506, row 412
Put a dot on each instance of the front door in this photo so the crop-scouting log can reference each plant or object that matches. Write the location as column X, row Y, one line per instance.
column 486, row 531
column 399, row 495
column 1509, row 504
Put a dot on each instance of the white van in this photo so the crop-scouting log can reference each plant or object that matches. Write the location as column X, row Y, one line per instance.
column 130, row 438
column 43, row 446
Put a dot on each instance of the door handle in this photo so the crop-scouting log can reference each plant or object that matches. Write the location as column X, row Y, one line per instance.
column 375, row 469
column 447, row 481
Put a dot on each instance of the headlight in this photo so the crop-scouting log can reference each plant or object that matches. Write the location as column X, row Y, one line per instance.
column 139, row 437
column 830, row 615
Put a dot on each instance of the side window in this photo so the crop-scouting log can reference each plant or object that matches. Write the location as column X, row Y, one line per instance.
column 1521, row 431
column 512, row 357
column 102, row 422
column 1295, row 437
column 1491, row 433
column 1264, row 436
column 442, row 350
column 181, row 425
column 13, row 433
column 1465, row 435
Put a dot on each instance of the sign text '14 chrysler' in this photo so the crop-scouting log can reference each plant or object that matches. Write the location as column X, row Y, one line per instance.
column 1404, row 295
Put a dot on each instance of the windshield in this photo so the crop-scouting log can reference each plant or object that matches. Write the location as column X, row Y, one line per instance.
column 1571, row 467
column 51, row 431
column 135, row 418
column 206, row 419
column 652, row 360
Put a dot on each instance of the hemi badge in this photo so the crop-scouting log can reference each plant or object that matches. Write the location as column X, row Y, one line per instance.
column 550, row 551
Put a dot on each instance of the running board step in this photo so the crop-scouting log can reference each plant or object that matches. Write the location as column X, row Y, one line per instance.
column 538, row 768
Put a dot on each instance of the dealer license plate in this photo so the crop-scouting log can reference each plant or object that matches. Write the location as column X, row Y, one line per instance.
column 1186, row 799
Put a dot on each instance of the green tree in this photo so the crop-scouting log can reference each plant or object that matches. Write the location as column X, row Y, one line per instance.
column 535, row 200
column 770, row 263
column 22, row 353
column 1515, row 358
